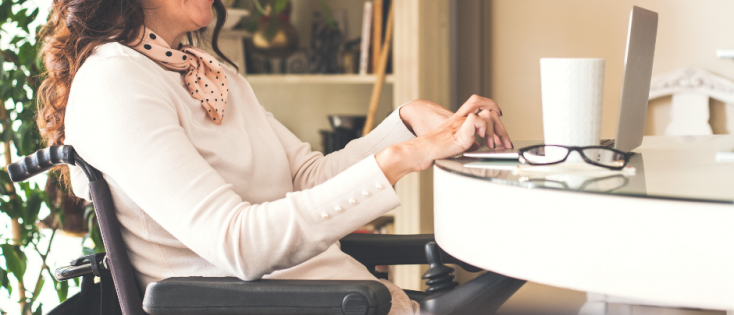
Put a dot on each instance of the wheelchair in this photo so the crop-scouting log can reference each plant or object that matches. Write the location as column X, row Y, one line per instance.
column 117, row 291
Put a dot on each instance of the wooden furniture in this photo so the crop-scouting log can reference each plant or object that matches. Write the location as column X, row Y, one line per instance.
column 691, row 89
column 232, row 45
column 662, row 235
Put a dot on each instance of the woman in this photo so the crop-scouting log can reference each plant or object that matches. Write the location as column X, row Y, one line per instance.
column 205, row 181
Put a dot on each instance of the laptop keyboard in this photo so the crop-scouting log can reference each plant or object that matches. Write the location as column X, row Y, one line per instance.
column 607, row 143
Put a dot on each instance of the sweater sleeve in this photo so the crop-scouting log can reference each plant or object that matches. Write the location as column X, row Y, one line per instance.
column 119, row 121
column 311, row 168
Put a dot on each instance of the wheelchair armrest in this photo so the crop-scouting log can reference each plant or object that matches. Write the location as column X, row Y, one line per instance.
column 390, row 249
column 209, row 296
column 83, row 266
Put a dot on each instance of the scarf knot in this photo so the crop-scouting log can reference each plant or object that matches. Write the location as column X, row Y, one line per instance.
column 203, row 75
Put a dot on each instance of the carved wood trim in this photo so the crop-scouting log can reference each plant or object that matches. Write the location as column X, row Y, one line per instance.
column 692, row 80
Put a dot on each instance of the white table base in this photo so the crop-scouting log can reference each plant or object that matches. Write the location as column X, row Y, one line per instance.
column 663, row 251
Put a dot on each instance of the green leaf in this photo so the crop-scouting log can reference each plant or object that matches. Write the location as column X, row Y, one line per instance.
column 89, row 213
column 28, row 137
column 4, row 180
column 328, row 17
column 35, row 197
column 16, row 39
column 11, row 207
column 5, row 90
column 5, row 281
column 280, row 5
column 2, row 70
column 5, row 8
column 62, row 290
column 32, row 206
column 32, row 16
column 20, row 16
column 94, row 232
column 15, row 260
column 39, row 309
column 259, row 7
column 26, row 52
column 7, row 135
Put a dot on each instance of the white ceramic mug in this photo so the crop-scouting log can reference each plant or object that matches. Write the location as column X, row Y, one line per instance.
column 572, row 91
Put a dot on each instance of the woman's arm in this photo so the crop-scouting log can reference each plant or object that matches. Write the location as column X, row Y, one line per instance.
column 120, row 121
column 310, row 168
column 418, row 117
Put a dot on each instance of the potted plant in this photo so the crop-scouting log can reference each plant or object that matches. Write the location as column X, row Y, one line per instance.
column 21, row 203
column 274, row 35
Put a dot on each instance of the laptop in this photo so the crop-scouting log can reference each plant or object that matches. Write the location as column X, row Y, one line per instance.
column 641, row 36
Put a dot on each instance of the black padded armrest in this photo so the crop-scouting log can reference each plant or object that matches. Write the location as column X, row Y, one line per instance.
column 390, row 249
column 222, row 296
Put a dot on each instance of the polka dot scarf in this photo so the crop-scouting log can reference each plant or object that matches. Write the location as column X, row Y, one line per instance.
column 202, row 73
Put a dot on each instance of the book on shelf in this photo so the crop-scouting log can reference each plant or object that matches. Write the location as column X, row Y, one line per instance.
column 385, row 13
column 364, row 52
column 377, row 8
column 380, row 13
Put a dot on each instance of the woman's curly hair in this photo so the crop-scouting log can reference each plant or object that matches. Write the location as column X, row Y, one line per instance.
column 73, row 31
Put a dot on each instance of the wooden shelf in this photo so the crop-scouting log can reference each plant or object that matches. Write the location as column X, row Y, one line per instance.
column 314, row 79
column 235, row 33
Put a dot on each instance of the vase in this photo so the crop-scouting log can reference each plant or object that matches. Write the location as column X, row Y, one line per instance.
column 283, row 39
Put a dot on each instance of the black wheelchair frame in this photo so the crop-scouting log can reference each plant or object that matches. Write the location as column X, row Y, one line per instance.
column 205, row 296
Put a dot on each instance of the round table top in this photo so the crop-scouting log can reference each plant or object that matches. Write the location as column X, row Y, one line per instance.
column 695, row 168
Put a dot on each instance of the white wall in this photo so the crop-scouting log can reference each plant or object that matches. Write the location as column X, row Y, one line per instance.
column 523, row 31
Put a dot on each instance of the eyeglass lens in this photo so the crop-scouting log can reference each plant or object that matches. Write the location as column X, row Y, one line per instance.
column 545, row 154
column 604, row 157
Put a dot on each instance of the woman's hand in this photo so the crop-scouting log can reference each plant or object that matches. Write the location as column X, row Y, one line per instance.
column 422, row 116
column 454, row 136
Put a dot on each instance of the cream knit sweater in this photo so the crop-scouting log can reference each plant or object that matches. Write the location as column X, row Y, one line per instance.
column 245, row 198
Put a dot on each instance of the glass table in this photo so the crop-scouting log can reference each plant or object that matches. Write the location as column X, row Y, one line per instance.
column 661, row 231
column 695, row 168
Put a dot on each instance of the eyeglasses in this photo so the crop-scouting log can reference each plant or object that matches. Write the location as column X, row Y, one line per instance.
column 602, row 184
column 553, row 154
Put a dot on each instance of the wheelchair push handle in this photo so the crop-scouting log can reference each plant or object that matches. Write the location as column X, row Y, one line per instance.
column 41, row 161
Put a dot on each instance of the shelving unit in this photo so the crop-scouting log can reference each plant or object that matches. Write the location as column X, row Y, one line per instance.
column 302, row 102
column 337, row 79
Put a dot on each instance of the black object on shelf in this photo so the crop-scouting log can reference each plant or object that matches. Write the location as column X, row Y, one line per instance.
column 345, row 128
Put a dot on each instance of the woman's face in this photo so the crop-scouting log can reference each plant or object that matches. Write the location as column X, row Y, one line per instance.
column 179, row 16
column 199, row 12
